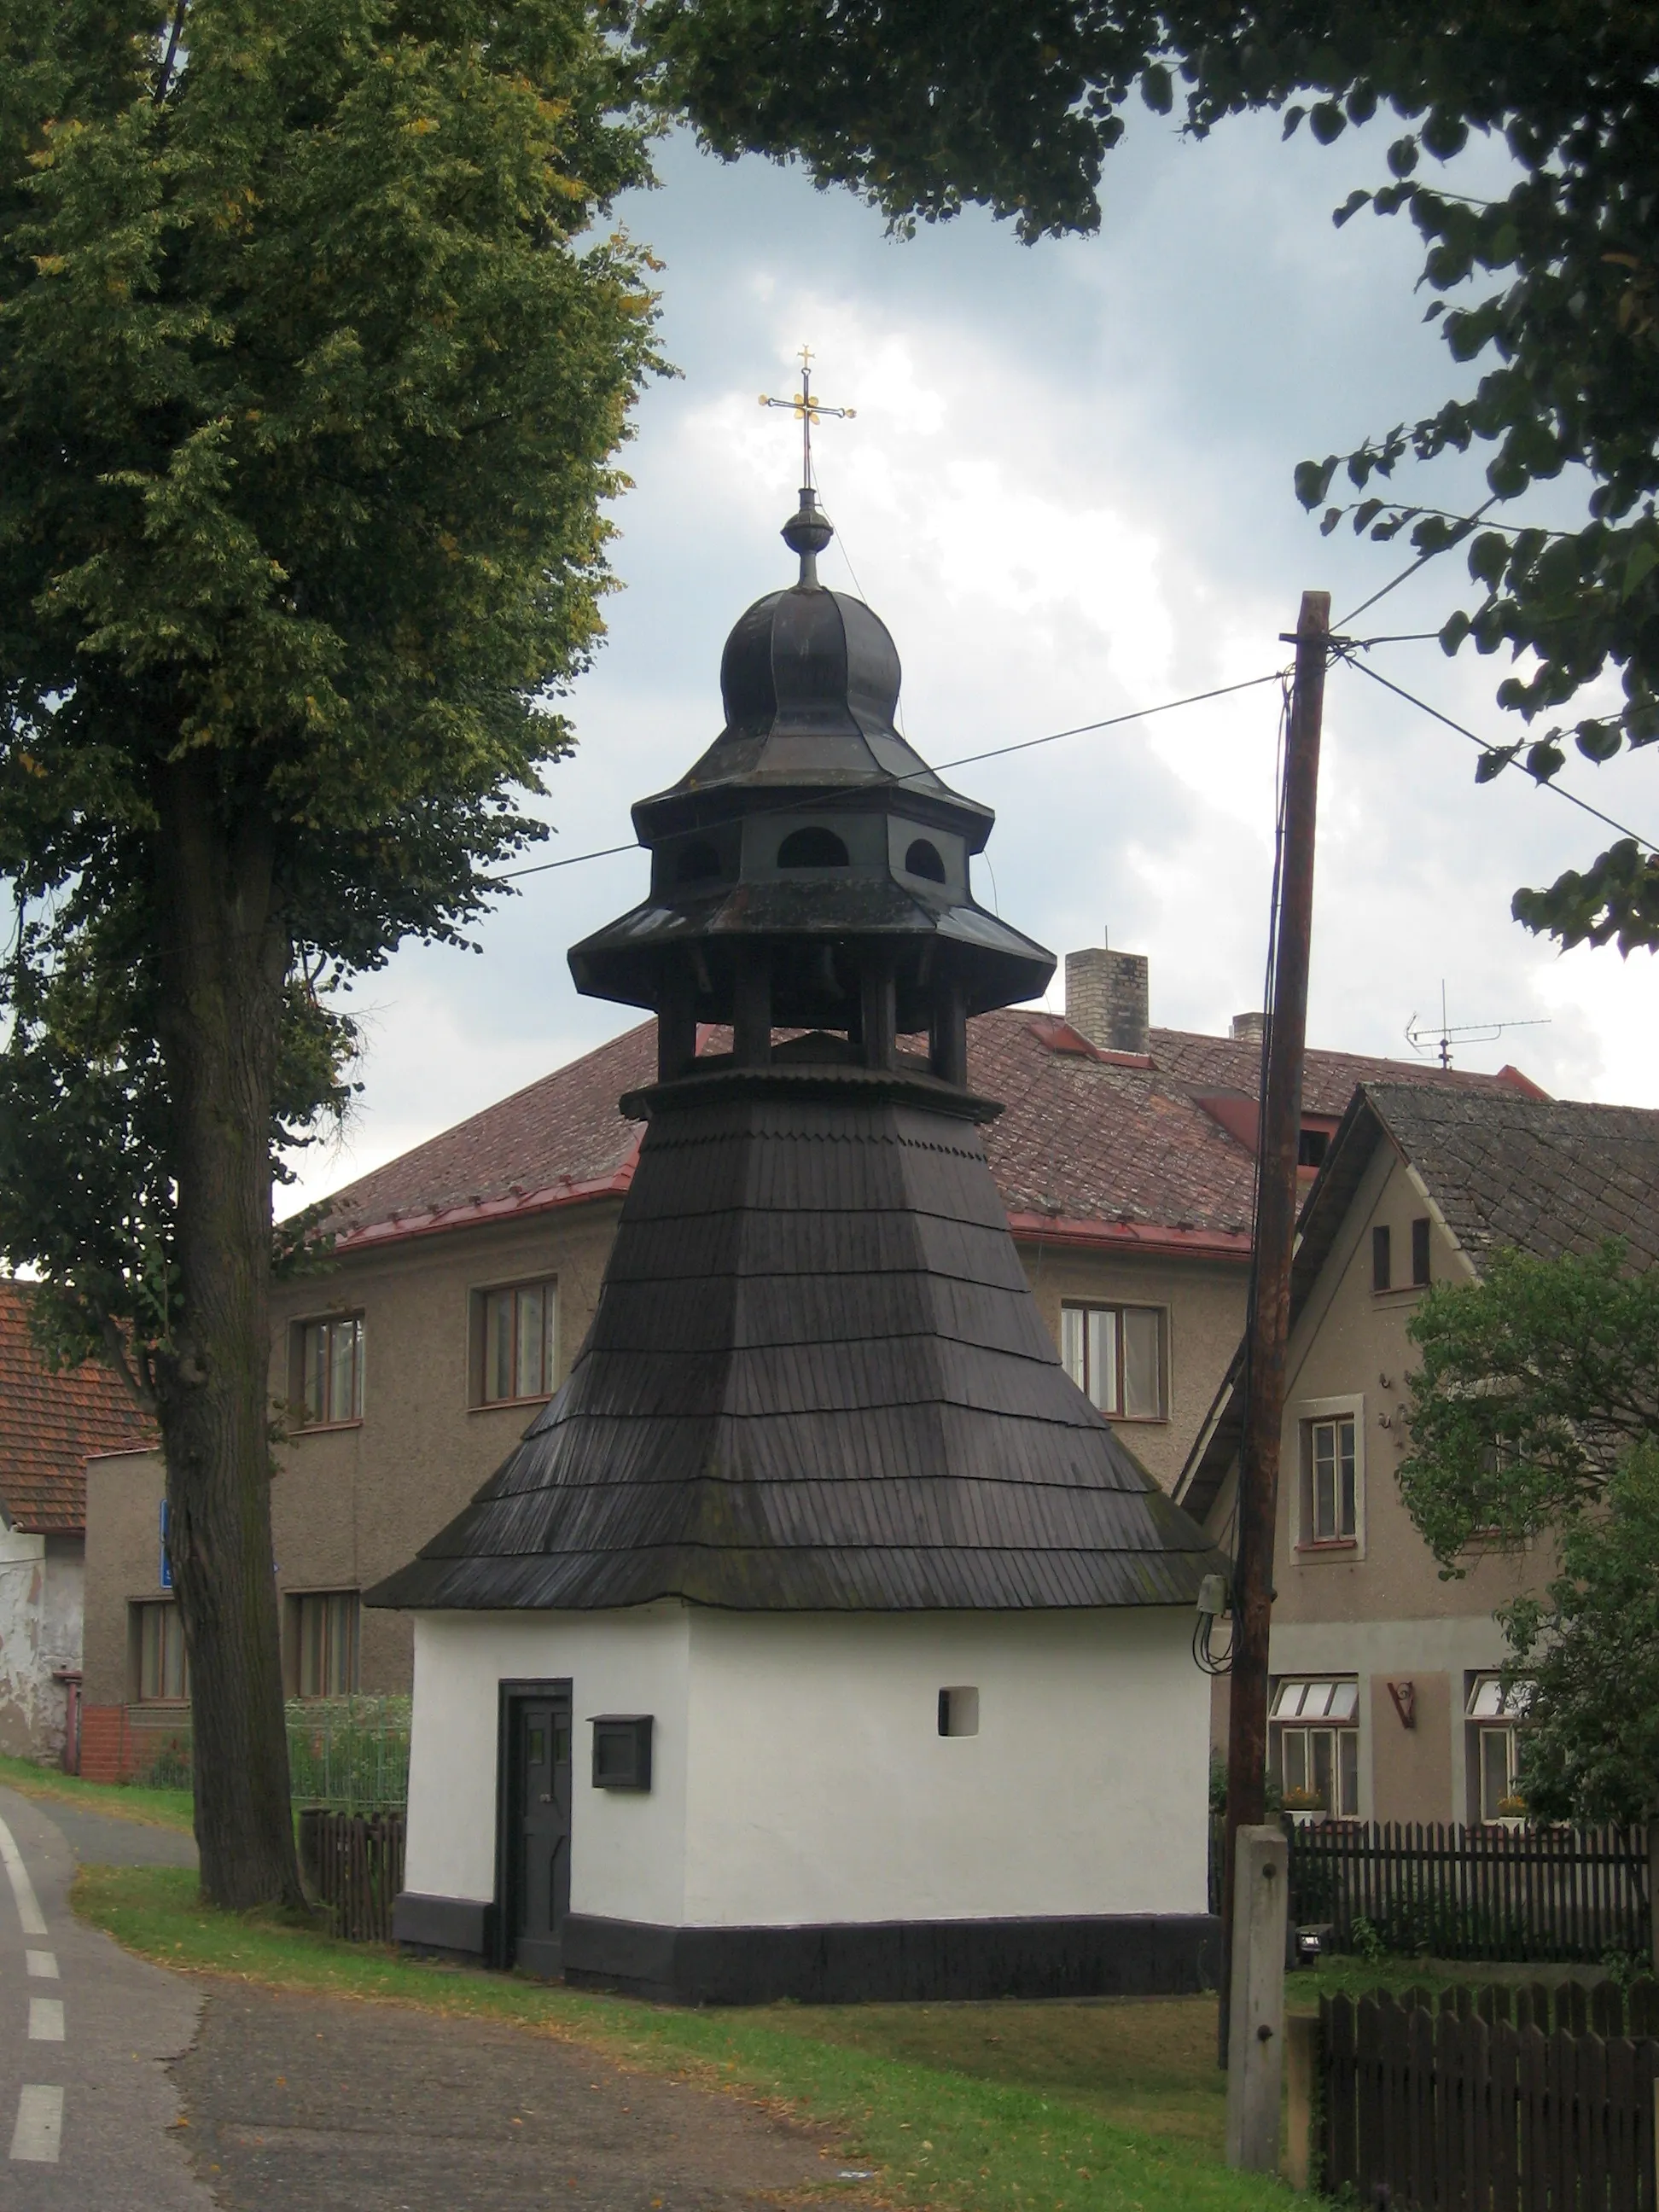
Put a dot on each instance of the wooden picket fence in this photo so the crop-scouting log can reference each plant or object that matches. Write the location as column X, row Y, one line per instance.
column 1530, row 1894
column 354, row 1861
column 1491, row 2100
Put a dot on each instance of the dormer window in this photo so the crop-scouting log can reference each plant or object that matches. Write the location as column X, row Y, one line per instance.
column 923, row 859
column 814, row 846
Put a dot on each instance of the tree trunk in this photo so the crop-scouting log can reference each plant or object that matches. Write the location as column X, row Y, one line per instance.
column 223, row 962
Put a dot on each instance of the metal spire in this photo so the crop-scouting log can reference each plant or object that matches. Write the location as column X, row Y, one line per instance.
column 808, row 530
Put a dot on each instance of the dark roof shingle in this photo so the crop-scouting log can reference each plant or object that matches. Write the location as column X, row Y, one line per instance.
column 816, row 1379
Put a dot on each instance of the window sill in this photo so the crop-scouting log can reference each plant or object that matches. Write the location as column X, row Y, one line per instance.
column 1400, row 1290
column 323, row 1428
column 507, row 1405
column 160, row 1705
column 1323, row 1548
column 1135, row 1421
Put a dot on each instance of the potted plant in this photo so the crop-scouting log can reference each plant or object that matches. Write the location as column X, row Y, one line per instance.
column 1512, row 1813
column 1305, row 1807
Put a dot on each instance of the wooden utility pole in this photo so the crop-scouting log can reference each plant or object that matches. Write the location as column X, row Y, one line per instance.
column 1278, row 1144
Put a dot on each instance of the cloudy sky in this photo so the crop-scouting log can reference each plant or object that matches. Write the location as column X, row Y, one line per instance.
column 1068, row 492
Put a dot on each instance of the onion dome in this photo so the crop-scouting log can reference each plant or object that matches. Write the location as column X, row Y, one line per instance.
column 810, row 871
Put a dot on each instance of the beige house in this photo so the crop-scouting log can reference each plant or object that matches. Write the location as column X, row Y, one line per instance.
column 1385, row 1698
column 466, row 1274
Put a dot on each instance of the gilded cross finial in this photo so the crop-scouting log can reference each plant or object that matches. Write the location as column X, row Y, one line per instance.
column 807, row 532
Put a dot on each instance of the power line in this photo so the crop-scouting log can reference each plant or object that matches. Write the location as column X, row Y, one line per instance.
column 1421, row 560
column 965, row 760
column 1543, row 782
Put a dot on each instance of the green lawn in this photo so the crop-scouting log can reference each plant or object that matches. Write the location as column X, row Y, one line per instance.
column 155, row 1808
column 1109, row 2106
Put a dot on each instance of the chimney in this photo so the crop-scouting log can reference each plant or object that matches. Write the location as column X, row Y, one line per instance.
column 1248, row 1028
column 1106, row 999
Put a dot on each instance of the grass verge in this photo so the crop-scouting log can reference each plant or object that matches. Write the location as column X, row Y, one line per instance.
column 126, row 1800
column 989, row 2108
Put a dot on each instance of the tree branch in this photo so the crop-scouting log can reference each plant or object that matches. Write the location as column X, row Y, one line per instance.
column 164, row 82
column 115, row 1344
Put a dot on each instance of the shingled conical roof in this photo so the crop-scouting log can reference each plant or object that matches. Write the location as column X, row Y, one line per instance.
column 816, row 1379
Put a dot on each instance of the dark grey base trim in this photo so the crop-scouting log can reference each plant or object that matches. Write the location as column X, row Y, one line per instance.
column 457, row 1927
column 849, row 1962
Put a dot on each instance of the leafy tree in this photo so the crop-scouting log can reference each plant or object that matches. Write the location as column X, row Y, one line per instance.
column 1535, row 1413
column 923, row 107
column 312, row 368
column 1590, row 1750
column 1534, row 1384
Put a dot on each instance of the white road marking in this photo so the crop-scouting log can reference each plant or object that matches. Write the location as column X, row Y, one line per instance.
column 39, row 2129
column 46, row 2020
column 43, row 1965
column 28, row 1906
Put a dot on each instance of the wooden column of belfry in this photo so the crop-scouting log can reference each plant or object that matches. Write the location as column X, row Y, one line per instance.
column 1278, row 1143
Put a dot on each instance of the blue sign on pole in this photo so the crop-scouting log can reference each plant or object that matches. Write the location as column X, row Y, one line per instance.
column 166, row 1564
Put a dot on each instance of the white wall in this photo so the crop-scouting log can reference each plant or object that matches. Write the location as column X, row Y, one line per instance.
column 799, row 1776
column 627, row 1852
column 41, row 1601
column 822, row 1790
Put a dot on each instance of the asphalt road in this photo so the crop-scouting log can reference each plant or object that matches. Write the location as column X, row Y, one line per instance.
column 88, row 2110
column 126, row 2088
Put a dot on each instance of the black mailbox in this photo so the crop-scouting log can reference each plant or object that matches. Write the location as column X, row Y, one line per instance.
column 622, row 1751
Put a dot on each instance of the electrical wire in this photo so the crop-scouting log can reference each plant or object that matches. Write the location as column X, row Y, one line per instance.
column 1422, row 560
column 1543, row 782
column 963, row 759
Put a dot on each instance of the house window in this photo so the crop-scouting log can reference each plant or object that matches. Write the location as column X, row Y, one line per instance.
column 163, row 1670
column 1382, row 1260
column 1311, row 1146
column 326, row 1625
column 1115, row 1354
column 1494, row 1715
column 519, row 1342
column 1314, row 1743
column 1420, row 1252
column 331, row 1369
column 1330, row 1511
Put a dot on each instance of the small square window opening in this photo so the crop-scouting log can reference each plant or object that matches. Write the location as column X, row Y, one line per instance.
column 958, row 1713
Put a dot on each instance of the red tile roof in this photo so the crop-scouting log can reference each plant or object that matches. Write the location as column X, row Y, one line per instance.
column 1092, row 1147
column 50, row 1425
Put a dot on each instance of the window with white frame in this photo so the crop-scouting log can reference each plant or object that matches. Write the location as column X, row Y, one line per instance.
column 329, row 1363
column 1494, row 1715
column 518, row 1328
column 1330, row 1477
column 1116, row 1356
column 1314, row 1743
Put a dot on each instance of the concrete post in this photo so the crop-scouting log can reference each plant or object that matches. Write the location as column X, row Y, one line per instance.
column 1255, row 2040
column 1301, row 2056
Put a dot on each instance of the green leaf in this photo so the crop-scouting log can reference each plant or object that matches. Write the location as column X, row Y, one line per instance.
column 1641, row 559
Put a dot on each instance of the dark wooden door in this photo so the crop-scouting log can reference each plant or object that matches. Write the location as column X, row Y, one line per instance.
column 538, row 1815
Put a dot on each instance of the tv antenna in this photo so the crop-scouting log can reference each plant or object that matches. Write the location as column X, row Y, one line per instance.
column 1423, row 1038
